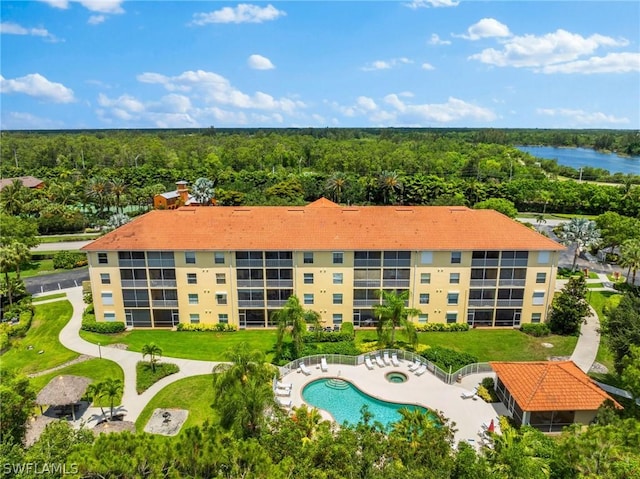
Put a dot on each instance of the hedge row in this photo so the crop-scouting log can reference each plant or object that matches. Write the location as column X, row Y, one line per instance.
column 441, row 327
column 216, row 328
column 345, row 347
column 327, row 337
column 18, row 329
column 110, row 327
column 69, row 260
column 535, row 329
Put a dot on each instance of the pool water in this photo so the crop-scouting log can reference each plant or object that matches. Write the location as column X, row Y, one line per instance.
column 344, row 404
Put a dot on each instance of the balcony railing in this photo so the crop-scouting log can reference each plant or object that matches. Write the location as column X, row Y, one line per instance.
column 393, row 263
column 131, row 263
column 279, row 283
column 512, row 282
column 484, row 262
column 367, row 262
column 163, row 283
column 366, row 283
column 483, row 283
column 251, row 283
column 510, row 302
column 251, row 303
column 396, row 283
column 135, row 283
column 276, row 303
column 513, row 262
column 164, row 303
column 161, row 263
column 365, row 302
column 279, row 263
column 132, row 303
column 249, row 263
column 482, row 302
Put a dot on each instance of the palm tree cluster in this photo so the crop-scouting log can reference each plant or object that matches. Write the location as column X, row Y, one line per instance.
column 630, row 257
column 109, row 389
column 393, row 313
column 154, row 352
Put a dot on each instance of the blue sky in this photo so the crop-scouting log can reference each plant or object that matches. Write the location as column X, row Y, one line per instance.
column 423, row 63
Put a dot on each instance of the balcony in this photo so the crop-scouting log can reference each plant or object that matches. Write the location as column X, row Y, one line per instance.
column 279, row 263
column 251, row 303
column 164, row 303
column 161, row 263
column 135, row 283
column 132, row 303
column 251, row 283
column 393, row 263
column 279, row 283
column 131, row 263
column 365, row 302
column 483, row 283
column 514, row 262
column 276, row 303
column 163, row 283
column 512, row 282
column 484, row 262
column 359, row 262
column 509, row 302
column 249, row 263
column 366, row 283
column 482, row 302
column 395, row 283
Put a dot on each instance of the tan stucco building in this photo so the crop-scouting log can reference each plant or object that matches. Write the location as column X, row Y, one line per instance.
column 238, row 264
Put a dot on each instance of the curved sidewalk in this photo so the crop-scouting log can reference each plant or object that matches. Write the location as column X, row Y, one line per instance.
column 132, row 402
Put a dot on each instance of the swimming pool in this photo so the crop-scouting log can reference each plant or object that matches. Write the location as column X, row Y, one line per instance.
column 344, row 402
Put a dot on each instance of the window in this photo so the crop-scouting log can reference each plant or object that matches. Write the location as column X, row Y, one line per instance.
column 193, row 298
column 105, row 278
column 541, row 277
column 221, row 298
column 102, row 258
column 218, row 257
column 161, row 259
column 194, row 318
column 426, row 257
column 456, row 257
column 536, row 317
column 307, row 257
column 221, row 278
column 308, row 298
column 425, row 278
column 424, row 298
column 423, row 318
column 337, row 278
column 452, row 298
column 543, row 257
column 190, row 257
column 192, row 278
column 107, row 299
column 109, row 317
column 338, row 258
column 337, row 298
column 538, row 298
column 396, row 258
column 308, row 278
column 223, row 318
column 454, row 278
column 452, row 318
column 366, row 258
column 337, row 318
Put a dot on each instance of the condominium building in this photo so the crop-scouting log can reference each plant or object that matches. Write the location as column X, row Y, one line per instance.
column 238, row 265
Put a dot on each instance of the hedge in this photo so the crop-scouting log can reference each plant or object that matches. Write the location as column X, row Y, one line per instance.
column 69, row 260
column 18, row 329
column 441, row 327
column 4, row 341
column 110, row 327
column 216, row 328
column 536, row 329
column 327, row 337
column 446, row 358
column 345, row 347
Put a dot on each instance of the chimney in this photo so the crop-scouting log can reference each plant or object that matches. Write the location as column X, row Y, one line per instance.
column 183, row 191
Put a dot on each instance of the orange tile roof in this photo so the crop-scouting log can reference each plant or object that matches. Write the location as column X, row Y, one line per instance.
column 323, row 226
column 550, row 386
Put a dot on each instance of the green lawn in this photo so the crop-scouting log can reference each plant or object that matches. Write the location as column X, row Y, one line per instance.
column 97, row 369
column 595, row 285
column 208, row 346
column 48, row 297
column 598, row 299
column 47, row 322
column 38, row 267
column 62, row 238
column 494, row 345
column 194, row 393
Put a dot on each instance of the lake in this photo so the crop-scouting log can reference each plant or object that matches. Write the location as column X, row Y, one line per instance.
column 581, row 157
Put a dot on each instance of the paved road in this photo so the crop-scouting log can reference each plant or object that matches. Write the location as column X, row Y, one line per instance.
column 62, row 245
column 52, row 282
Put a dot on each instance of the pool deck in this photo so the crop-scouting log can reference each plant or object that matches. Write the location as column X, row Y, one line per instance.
column 425, row 390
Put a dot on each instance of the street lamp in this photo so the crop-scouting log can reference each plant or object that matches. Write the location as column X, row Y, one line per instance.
column 99, row 351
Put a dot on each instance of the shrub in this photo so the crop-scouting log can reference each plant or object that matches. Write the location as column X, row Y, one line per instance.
column 488, row 383
column 146, row 377
column 327, row 337
column 446, row 358
column 344, row 347
column 4, row 341
column 19, row 329
column 216, row 328
column 441, row 327
column 347, row 328
column 69, row 260
column 535, row 329
column 111, row 327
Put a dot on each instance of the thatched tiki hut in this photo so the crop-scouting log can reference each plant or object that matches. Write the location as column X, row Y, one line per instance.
column 63, row 391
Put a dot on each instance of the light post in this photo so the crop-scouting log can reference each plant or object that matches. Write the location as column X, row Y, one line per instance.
column 99, row 351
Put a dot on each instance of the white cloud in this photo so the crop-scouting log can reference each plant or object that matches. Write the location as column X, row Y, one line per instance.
column 539, row 51
column 386, row 64
column 581, row 117
column 427, row 66
column 366, row 103
column 415, row 4
column 611, row 63
column 486, row 28
column 453, row 110
column 436, row 40
column 20, row 121
column 96, row 19
column 9, row 28
column 37, row 86
column 243, row 13
column 100, row 6
column 64, row 4
column 258, row 62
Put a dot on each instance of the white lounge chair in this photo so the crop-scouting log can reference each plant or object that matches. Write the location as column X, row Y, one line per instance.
column 305, row 370
column 284, row 402
column 368, row 363
column 468, row 394
column 415, row 365
column 385, row 358
column 283, row 385
column 323, row 365
column 379, row 361
column 421, row 370
column 394, row 360
column 282, row 392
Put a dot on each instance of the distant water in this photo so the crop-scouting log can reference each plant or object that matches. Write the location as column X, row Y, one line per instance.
column 581, row 157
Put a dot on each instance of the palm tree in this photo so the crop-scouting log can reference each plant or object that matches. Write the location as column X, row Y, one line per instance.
column 307, row 419
column 630, row 257
column 389, row 184
column 94, row 391
column 111, row 388
column 581, row 232
column 519, row 453
column 118, row 189
column 335, row 186
column 13, row 197
column 540, row 220
column 153, row 351
column 203, row 191
column 8, row 262
column 393, row 313
column 97, row 190
column 290, row 320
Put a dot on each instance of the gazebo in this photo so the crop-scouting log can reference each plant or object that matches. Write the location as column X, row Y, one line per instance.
column 63, row 391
